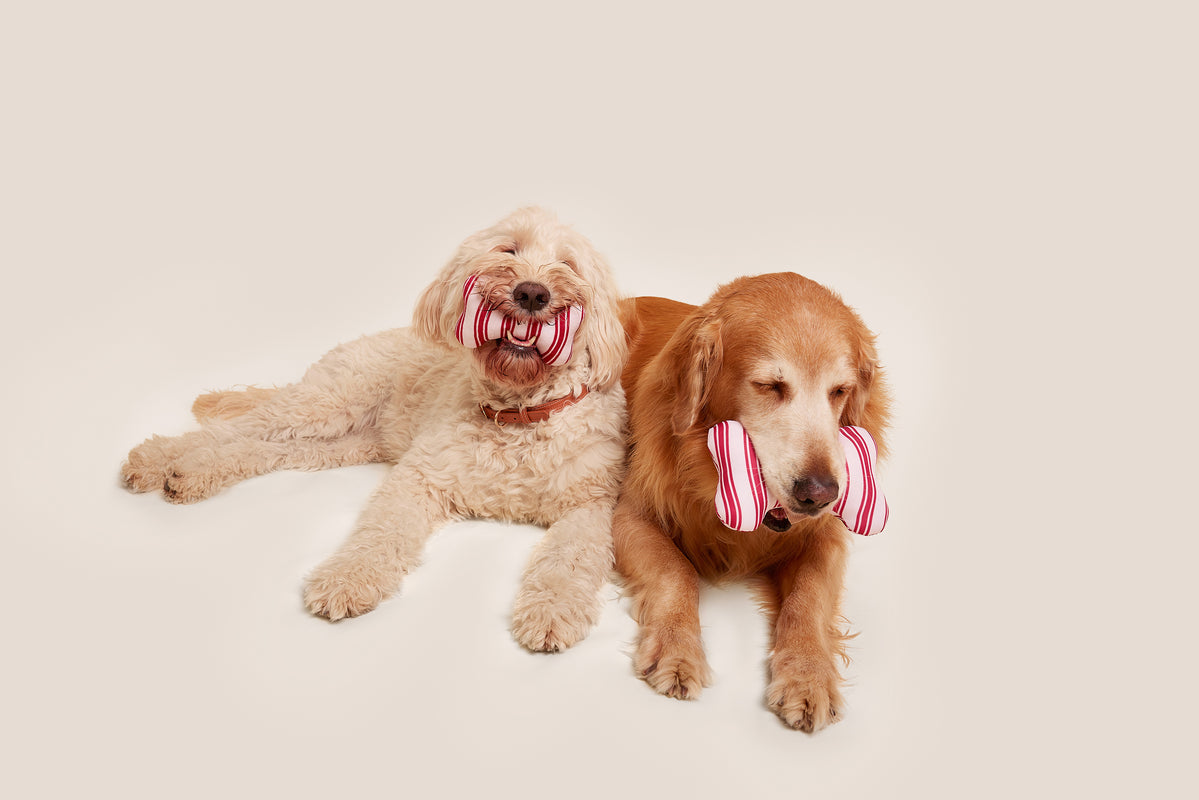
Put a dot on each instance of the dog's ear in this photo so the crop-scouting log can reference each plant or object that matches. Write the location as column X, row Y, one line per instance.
column 606, row 344
column 442, row 303
column 697, row 354
column 869, row 405
column 438, row 308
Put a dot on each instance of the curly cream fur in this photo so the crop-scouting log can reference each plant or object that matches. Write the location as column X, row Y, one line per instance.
column 411, row 397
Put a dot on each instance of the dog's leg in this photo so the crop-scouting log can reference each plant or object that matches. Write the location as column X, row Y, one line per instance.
column 805, row 681
column 335, row 397
column 305, row 410
column 664, row 589
column 230, row 403
column 205, row 469
column 385, row 545
column 197, row 465
column 327, row 419
column 559, row 599
column 147, row 466
column 341, row 393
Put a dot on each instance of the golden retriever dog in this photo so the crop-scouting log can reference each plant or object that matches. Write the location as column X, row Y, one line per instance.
column 493, row 430
column 789, row 360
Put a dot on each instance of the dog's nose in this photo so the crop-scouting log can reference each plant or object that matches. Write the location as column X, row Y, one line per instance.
column 814, row 493
column 531, row 296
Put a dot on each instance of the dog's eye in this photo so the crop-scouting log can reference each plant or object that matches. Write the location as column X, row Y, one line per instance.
column 838, row 393
column 772, row 387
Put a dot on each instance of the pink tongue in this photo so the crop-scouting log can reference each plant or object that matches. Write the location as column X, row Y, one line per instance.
column 777, row 513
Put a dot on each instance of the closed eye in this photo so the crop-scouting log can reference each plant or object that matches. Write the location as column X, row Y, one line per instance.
column 839, row 393
column 777, row 388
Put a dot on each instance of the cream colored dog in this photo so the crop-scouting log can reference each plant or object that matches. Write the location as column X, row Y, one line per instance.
column 418, row 398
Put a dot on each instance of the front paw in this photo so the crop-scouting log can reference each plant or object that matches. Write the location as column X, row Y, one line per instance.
column 336, row 592
column 198, row 473
column 191, row 487
column 544, row 621
column 804, row 698
column 186, row 468
column 671, row 660
column 148, row 464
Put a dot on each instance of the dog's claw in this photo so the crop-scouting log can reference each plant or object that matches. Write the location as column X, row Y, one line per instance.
column 672, row 663
column 802, row 701
column 550, row 627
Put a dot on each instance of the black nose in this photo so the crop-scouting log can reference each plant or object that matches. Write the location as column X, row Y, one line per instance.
column 531, row 296
column 814, row 493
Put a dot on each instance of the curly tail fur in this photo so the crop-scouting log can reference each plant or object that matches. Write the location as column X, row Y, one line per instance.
column 230, row 403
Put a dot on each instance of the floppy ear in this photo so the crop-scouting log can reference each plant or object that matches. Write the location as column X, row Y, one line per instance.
column 697, row 353
column 869, row 406
column 441, row 303
column 606, row 344
column 436, row 310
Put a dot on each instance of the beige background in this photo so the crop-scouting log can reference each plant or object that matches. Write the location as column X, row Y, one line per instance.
column 191, row 199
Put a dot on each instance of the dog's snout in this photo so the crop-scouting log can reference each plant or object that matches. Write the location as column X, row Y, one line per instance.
column 531, row 296
column 813, row 493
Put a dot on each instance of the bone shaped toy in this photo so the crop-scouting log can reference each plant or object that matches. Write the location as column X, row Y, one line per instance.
column 742, row 499
column 481, row 322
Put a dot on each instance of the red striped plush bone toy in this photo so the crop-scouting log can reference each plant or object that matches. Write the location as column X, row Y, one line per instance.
column 742, row 499
column 481, row 322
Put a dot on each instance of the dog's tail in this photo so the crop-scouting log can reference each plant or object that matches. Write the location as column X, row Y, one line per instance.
column 230, row 403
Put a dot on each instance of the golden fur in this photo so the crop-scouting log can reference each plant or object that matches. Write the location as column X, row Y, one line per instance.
column 412, row 397
column 789, row 360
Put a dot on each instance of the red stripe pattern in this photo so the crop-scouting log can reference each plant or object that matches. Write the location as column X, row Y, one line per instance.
column 742, row 499
column 741, row 496
column 481, row 322
column 862, row 506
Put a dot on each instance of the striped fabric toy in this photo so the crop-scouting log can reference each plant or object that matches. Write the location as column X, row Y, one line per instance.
column 481, row 323
column 742, row 499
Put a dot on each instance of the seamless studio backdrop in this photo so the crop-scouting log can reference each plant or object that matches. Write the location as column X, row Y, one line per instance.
column 199, row 197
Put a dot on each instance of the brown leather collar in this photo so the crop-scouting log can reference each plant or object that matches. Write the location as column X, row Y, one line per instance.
column 533, row 413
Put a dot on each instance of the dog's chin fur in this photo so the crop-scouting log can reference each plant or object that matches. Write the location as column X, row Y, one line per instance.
column 517, row 368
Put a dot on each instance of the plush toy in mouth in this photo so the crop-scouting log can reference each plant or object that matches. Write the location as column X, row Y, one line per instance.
column 743, row 501
column 481, row 322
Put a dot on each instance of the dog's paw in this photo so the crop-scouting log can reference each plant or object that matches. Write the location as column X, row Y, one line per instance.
column 190, row 486
column 805, row 700
column 544, row 622
column 200, row 471
column 185, row 468
column 672, row 662
column 147, row 466
column 337, row 592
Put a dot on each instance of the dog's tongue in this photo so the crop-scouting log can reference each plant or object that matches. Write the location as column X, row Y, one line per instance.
column 481, row 322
